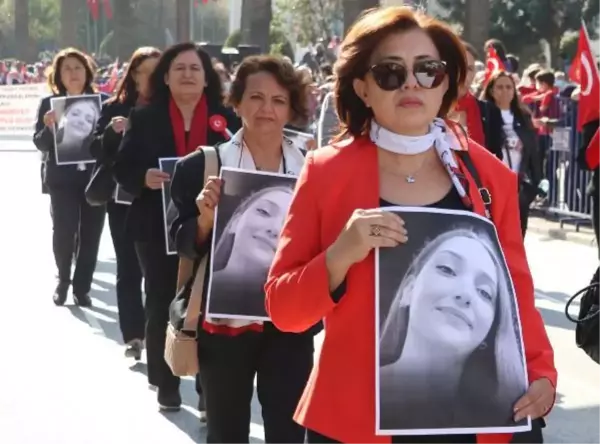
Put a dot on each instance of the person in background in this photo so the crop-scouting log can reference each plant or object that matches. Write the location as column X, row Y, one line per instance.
column 546, row 109
column 515, row 141
column 398, row 75
column 593, row 189
column 185, row 92
column 527, row 84
column 512, row 64
column 76, row 225
column 471, row 113
column 498, row 47
column 266, row 93
column 131, row 91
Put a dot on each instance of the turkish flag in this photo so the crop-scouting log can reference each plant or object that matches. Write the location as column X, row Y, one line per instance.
column 585, row 72
column 592, row 152
column 108, row 12
column 493, row 63
column 94, row 8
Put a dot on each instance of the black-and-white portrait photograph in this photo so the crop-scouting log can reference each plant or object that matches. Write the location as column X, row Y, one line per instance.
column 76, row 118
column 167, row 165
column 248, row 221
column 122, row 197
column 448, row 340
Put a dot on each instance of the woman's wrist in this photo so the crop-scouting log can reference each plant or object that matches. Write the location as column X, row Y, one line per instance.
column 203, row 230
column 337, row 264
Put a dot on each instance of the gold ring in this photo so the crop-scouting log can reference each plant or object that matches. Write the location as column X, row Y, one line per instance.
column 375, row 231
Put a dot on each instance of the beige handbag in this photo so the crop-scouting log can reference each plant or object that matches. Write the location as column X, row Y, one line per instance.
column 181, row 349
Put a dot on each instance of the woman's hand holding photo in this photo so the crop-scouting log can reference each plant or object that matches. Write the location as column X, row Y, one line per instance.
column 118, row 124
column 155, row 178
column 50, row 119
column 537, row 401
column 365, row 230
column 207, row 201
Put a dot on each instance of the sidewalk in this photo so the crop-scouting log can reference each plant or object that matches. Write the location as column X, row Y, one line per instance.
column 552, row 229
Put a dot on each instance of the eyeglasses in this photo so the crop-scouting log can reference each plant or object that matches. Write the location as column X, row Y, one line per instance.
column 390, row 76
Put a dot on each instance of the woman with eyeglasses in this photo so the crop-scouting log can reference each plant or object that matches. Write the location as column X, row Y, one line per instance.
column 132, row 91
column 398, row 76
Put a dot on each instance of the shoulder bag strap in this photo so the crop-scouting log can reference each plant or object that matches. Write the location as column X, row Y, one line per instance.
column 211, row 168
column 483, row 192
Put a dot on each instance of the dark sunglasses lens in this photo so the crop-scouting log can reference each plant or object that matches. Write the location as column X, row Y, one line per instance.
column 389, row 76
column 430, row 73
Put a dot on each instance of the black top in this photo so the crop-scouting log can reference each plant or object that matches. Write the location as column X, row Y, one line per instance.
column 451, row 201
column 57, row 176
column 148, row 138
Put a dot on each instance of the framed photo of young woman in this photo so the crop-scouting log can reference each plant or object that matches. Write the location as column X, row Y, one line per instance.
column 167, row 165
column 449, row 347
column 248, row 221
column 76, row 118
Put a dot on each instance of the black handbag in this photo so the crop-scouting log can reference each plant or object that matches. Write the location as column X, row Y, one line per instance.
column 588, row 325
column 101, row 187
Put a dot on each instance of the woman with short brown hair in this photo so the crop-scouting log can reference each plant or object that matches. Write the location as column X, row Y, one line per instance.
column 76, row 225
column 398, row 76
column 266, row 93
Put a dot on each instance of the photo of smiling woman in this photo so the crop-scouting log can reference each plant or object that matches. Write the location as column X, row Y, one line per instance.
column 249, row 218
column 76, row 119
column 449, row 331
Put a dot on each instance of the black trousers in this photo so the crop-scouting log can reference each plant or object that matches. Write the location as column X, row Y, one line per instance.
column 524, row 205
column 76, row 232
column 129, row 276
column 160, row 280
column 281, row 362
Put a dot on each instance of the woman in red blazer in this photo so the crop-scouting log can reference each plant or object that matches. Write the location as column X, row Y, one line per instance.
column 397, row 78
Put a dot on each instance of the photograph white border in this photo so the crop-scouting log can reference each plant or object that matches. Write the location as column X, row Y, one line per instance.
column 117, row 200
column 54, row 100
column 441, row 431
column 209, row 314
column 162, row 198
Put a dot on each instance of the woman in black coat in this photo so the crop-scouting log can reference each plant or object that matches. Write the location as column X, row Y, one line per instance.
column 185, row 111
column 76, row 225
column 512, row 138
column 131, row 91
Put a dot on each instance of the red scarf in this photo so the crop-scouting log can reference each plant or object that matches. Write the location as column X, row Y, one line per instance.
column 198, row 129
column 468, row 105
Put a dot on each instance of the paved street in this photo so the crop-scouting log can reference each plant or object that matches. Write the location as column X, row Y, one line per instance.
column 64, row 379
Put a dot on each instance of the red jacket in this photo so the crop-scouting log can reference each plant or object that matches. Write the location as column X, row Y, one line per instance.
column 339, row 400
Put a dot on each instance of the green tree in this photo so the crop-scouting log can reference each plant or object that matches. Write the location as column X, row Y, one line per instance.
column 309, row 20
column 520, row 23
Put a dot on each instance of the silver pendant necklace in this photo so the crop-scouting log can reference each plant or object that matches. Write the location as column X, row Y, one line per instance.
column 410, row 179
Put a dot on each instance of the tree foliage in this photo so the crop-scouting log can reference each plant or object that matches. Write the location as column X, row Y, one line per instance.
column 519, row 23
column 309, row 20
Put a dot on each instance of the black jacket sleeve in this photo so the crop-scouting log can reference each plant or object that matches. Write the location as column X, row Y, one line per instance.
column 131, row 161
column 106, row 142
column 43, row 138
column 587, row 133
column 186, row 185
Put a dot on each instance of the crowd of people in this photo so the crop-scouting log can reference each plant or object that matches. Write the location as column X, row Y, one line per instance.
column 401, row 81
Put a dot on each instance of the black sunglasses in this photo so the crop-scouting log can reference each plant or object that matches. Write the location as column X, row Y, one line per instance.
column 390, row 76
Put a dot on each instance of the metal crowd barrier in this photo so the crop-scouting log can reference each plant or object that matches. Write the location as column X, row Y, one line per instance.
column 567, row 198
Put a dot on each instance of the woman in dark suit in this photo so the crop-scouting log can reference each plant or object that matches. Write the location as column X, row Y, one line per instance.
column 514, row 140
column 185, row 100
column 76, row 225
column 131, row 91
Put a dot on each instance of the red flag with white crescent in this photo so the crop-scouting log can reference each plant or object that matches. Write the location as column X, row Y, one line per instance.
column 585, row 72
column 493, row 63
column 592, row 152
